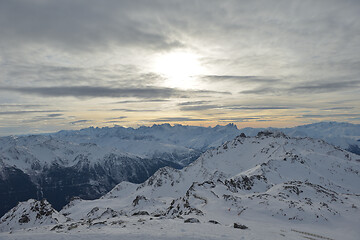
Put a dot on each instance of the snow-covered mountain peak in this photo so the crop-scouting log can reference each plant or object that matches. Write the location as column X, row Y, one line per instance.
column 31, row 213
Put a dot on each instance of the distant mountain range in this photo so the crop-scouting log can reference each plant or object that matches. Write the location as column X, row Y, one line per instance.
column 88, row 163
column 246, row 183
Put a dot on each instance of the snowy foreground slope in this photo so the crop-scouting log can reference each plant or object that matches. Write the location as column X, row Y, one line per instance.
column 265, row 187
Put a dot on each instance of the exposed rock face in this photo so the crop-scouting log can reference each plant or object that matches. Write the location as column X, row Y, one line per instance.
column 240, row 226
column 191, row 220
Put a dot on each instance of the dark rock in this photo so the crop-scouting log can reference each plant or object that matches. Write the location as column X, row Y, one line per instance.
column 139, row 213
column 214, row 222
column 57, row 227
column 72, row 226
column 264, row 134
column 240, row 226
column 191, row 220
column 137, row 199
column 24, row 219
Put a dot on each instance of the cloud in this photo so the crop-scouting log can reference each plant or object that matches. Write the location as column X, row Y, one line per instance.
column 116, row 118
column 193, row 103
column 338, row 108
column 26, row 112
column 22, row 105
column 199, row 107
column 92, row 91
column 202, row 107
column 240, row 79
column 247, row 119
column 114, row 121
column 82, row 25
column 79, row 122
column 325, row 87
column 307, row 88
column 274, row 57
column 54, row 115
column 49, row 117
column 92, row 25
column 259, row 107
column 142, row 101
column 238, row 119
column 38, row 73
column 179, row 119
column 263, row 91
column 134, row 110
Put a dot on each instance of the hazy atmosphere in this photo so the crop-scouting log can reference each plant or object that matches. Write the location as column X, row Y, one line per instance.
column 73, row 64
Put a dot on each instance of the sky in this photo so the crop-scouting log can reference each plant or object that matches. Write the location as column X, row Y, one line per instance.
column 74, row 64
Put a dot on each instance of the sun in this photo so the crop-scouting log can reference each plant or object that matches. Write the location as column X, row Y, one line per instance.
column 179, row 69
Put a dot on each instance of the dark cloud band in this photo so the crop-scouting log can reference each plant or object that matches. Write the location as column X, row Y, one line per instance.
column 89, row 91
column 179, row 119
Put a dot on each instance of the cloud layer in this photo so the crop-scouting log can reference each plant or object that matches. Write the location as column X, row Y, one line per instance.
column 68, row 63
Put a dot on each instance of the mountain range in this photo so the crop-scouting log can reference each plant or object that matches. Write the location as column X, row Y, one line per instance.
column 269, row 186
column 88, row 163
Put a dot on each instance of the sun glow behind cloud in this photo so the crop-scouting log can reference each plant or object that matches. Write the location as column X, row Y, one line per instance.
column 179, row 69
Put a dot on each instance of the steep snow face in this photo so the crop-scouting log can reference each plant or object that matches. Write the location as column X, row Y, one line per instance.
column 30, row 214
column 269, row 164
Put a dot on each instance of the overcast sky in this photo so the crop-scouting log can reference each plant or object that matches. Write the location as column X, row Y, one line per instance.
column 72, row 64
